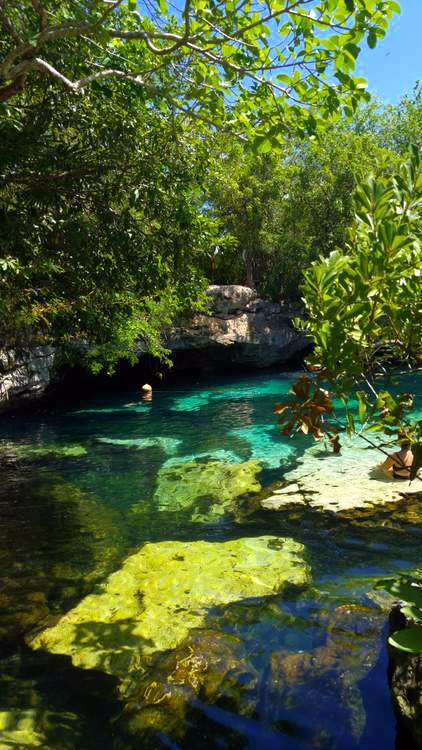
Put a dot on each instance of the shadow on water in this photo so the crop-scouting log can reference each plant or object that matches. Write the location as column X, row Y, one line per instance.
column 46, row 702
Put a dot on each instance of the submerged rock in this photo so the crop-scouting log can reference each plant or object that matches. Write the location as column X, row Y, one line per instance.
column 165, row 590
column 167, row 444
column 209, row 664
column 340, row 483
column 265, row 444
column 29, row 451
column 39, row 575
column 208, row 488
column 24, row 374
column 351, row 649
column 24, row 729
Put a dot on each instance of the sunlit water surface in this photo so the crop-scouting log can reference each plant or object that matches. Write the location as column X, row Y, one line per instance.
column 70, row 516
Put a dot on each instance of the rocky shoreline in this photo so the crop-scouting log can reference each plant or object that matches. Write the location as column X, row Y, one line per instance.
column 240, row 330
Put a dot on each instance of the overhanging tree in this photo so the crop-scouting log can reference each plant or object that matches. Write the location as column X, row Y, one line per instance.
column 267, row 67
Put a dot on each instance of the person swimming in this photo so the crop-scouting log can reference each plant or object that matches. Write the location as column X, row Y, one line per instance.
column 398, row 465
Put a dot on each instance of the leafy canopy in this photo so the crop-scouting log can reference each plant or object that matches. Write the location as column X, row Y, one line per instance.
column 267, row 68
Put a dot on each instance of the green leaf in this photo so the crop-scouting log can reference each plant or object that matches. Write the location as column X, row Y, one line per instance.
column 409, row 640
column 372, row 39
column 417, row 460
column 362, row 408
column 412, row 613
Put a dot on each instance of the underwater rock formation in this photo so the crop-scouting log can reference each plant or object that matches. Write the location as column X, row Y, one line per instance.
column 350, row 651
column 162, row 592
column 207, row 487
column 210, row 665
column 338, row 483
column 241, row 329
column 166, row 444
column 265, row 444
column 31, row 452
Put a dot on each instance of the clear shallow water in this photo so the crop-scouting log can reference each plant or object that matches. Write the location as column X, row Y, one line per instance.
column 71, row 515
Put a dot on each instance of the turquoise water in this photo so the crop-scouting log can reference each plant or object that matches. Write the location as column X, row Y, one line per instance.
column 88, row 494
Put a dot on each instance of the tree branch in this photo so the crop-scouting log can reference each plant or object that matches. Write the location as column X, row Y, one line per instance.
column 7, row 24
column 42, row 15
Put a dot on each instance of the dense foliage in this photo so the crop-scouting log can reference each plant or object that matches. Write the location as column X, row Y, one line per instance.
column 100, row 228
column 364, row 312
column 282, row 210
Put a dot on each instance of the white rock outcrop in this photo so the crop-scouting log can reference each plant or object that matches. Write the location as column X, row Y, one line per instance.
column 240, row 329
column 24, row 373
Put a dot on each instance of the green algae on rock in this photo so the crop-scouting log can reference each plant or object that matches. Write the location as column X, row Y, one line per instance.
column 207, row 487
column 24, row 729
column 165, row 590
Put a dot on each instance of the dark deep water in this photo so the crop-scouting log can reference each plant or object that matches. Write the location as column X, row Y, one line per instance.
column 76, row 504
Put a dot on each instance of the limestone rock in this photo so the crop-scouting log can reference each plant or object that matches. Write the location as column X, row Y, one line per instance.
column 162, row 592
column 341, row 483
column 24, row 374
column 240, row 329
column 226, row 299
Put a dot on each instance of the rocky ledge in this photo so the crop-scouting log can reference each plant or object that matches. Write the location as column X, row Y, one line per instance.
column 342, row 483
column 24, row 374
column 240, row 329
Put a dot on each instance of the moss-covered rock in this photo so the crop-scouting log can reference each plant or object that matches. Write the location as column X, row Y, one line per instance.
column 208, row 487
column 165, row 590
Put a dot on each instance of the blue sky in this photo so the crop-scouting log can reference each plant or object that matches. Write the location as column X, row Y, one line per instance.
column 393, row 67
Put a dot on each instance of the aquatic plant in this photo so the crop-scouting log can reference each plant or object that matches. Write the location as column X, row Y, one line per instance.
column 409, row 591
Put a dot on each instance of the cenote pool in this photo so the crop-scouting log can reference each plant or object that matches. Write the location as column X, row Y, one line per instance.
column 147, row 600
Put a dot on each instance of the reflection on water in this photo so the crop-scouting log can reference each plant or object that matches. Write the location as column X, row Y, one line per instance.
column 257, row 663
